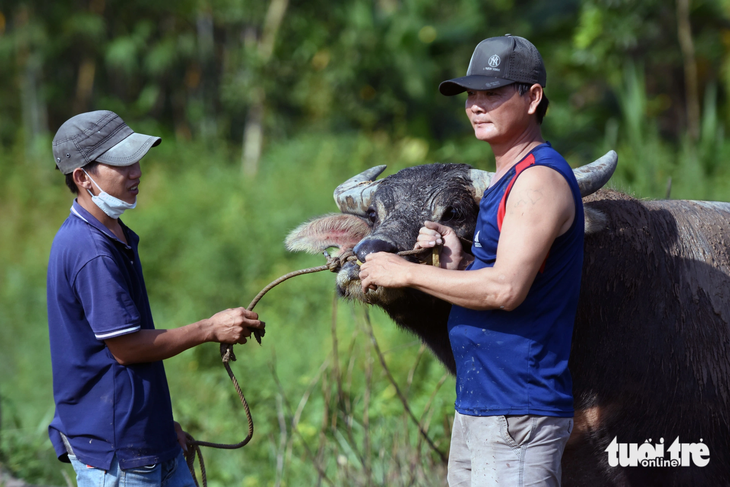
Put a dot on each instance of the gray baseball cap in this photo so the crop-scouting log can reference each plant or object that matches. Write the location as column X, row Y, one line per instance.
column 499, row 61
column 99, row 136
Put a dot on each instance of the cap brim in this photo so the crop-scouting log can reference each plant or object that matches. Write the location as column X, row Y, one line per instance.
column 472, row 82
column 129, row 150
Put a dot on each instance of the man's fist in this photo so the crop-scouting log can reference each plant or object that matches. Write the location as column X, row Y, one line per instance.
column 233, row 325
column 432, row 234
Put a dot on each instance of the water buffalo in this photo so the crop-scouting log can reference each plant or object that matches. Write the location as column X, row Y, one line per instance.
column 649, row 360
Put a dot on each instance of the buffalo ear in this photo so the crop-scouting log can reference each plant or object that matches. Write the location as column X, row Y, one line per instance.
column 480, row 181
column 595, row 220
column 339, row 230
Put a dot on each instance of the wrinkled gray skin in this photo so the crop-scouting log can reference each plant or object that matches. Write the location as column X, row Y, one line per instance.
column 650, row 356
column 434, row 192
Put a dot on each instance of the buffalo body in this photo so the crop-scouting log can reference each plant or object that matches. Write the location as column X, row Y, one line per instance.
column 649, row 356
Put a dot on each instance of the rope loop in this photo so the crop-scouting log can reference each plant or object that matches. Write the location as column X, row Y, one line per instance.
column 334, row 264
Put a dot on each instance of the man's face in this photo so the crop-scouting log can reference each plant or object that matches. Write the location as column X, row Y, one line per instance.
column 121, row 182
column 498, row 115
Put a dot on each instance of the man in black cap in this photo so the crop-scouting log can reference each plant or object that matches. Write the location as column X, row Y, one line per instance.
column 113, row 417
column 512, row 313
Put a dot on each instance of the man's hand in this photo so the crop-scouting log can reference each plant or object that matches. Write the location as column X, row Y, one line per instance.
column 451, row 255
column 384, row 269
column 233, row 325
column 181, row 436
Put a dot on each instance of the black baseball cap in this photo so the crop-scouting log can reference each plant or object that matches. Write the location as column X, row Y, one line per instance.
column 99, row 136
column 497, row 62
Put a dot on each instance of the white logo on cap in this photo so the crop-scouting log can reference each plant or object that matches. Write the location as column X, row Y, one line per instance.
column 494, row 61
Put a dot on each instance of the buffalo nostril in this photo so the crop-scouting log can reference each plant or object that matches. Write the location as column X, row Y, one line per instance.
column 369, row 246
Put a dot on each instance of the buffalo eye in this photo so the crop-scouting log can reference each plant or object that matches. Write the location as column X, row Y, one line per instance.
column 449, row 214
column 372, row 216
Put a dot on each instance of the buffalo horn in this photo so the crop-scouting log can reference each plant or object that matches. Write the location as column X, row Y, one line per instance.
column 353, row 196
column 593, row 176
column 480, row 182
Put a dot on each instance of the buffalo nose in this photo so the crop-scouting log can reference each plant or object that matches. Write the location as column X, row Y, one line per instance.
column 369, row 246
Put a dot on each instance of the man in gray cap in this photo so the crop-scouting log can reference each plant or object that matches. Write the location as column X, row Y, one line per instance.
column 512, row 312
column 113, row 418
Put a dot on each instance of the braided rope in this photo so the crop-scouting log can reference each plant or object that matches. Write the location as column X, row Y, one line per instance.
column 334, row 264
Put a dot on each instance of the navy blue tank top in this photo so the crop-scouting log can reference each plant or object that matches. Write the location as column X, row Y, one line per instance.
column 516, row 362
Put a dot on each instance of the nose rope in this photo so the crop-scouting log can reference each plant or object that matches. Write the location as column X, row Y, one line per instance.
column 334, row 264
column 227, row 356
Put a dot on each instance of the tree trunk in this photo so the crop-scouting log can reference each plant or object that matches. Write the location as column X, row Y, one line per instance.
column 253, row 136
column 87, row 68
column 207, row 125
column 34, row 117
column 253, row 133
column 684, row 31
column 84, row 85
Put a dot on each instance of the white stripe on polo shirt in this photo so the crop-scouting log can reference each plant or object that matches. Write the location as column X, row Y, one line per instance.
column 117, row 333
column 78, row 214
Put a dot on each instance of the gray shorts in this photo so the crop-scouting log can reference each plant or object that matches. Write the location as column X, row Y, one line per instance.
column 509, row 451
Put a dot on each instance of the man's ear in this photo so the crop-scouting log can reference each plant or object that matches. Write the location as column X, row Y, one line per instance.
column 535, row 95
column 81, row 179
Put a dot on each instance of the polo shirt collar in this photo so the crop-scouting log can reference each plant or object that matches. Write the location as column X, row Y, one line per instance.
column 80, row 212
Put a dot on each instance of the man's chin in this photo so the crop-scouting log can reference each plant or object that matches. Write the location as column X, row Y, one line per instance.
column 485, row 134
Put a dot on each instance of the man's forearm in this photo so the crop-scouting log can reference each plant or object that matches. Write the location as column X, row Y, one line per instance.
column 480, row 290
column 153, row 345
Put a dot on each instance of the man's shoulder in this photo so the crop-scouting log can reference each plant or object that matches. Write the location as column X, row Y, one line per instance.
column 73, row 233
column 76, row 242
column 547, row 179
column 546, row 154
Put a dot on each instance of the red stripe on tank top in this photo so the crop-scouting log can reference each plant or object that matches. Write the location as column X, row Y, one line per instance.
column 521, row 166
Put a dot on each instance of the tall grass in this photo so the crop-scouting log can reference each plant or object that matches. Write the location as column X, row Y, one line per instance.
column 653, row 167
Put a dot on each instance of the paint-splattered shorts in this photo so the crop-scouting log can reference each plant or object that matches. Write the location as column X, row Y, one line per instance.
column 508, row 451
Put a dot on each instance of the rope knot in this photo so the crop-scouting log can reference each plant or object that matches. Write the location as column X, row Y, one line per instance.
column 227, row 354
column 334, row 264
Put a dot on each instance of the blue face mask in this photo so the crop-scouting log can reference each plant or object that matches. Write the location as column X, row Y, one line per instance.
column 113, row 207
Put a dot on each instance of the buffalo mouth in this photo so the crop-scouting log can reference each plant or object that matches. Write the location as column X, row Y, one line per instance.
column 348, row 282
column 349, row 286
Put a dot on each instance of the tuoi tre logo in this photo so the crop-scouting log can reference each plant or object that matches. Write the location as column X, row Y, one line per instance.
column 648, row 455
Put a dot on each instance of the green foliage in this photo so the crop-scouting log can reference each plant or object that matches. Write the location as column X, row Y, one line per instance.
column 346, row 86
column 649, row 166
column 365, row 65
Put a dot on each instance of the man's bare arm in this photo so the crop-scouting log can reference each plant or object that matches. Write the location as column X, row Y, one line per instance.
column 229, row 326
column 539, row 209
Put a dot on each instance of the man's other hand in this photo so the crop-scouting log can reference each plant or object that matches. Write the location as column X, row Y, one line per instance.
column 451, row 255
column 181, row 436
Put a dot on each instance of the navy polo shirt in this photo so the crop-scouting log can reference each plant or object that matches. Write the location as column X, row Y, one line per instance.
column 96, row 291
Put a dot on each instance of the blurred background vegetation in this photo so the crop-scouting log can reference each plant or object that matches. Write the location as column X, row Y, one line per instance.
column 264, row 107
